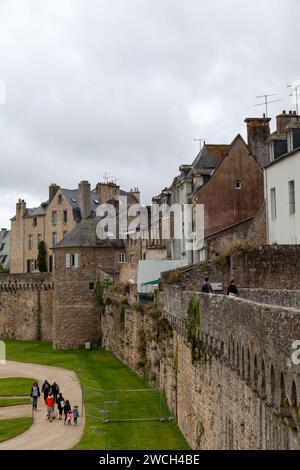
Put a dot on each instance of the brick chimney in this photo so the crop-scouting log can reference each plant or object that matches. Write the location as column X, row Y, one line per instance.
column 84, row 199
column 107, row 192
column 53, row 188
column 258, row 131
column 283, row 119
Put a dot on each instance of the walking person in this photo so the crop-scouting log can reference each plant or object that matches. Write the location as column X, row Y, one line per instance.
column 35, row 395
column 67, row 409
column 50, row 407
column 207, row 287
column 46, row 390
column 55, row 390
column 75, row 414
column 232, row 289
column 60, row 404
column 69, row 418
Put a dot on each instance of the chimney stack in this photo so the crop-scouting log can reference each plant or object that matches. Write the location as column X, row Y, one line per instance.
column 136, row 193
column 53, row 188
column 258, row 130
column 20, row 208
column 84, row 199
column 283, row 119
column 107, row 192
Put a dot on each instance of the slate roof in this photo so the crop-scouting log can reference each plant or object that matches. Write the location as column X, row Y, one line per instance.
column 85, row 235
column 210, row 156
column 72, row 196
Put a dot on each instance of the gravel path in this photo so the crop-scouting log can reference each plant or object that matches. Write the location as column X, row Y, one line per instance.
column 43, row 435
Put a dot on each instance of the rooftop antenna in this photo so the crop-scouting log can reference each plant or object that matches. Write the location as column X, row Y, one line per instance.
column 200, row 142
column 106, row 177
column 295, row 91
column 266, row 102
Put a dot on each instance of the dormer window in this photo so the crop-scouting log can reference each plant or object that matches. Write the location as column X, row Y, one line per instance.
column 290, row 141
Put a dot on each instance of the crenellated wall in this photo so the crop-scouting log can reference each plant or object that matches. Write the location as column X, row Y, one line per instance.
column 26, row 310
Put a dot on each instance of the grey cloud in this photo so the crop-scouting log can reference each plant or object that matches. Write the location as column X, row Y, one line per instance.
column 124, row 86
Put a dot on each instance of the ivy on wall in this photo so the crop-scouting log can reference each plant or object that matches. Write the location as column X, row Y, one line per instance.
column 198, row 349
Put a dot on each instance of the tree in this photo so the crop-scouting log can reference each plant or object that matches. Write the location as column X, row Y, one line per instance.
column 41, row 261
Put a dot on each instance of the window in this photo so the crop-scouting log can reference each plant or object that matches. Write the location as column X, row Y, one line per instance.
column 292, row 207
column 272, row 153
column 54, row 217
column 238, row 184
column 30, row 265
column 30, row 242
column 91, row 285
column 65, row 216
column 131, row 257
column 121, row 258
column 2, row 246
column 273, row 204
column 34, row 222
column 39, row 237
column 54, row 238
column 72, row 260
column 59, row 199
column 65, row 233
column 290, row 143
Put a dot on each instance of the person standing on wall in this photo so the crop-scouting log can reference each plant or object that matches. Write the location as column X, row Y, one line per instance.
column 207, row 287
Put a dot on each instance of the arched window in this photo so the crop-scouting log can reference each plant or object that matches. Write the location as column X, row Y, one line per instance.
column 243, row 363
column 248, row 377
column 294, row 395
column 272, row 382
column 255, row 373
column 233, row 354
column 238, row 356
column 263, row 380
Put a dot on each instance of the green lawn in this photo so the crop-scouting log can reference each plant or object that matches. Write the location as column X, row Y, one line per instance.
column 15, row 386
column 12, row 427
column 14, row 401
column 102, row 370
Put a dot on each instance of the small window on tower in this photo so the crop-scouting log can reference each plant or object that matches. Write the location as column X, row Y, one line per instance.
column 238, row 184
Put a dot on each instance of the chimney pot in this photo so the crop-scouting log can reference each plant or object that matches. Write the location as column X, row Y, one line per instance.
column 284, row 112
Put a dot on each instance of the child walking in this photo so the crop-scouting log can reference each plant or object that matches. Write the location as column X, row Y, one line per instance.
column 69, row 418
column 75, row 414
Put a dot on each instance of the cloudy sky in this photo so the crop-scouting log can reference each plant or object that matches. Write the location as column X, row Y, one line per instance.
column 124, row 86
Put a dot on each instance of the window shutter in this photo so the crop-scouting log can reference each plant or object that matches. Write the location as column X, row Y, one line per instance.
column 76, row 260
column 68, row 260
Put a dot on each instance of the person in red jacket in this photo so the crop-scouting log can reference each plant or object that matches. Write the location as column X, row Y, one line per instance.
column 50, row 407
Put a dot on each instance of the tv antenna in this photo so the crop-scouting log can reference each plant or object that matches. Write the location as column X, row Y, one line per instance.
column 106, row 177
column 295, row 88
column 266, row 102
column 200, row 142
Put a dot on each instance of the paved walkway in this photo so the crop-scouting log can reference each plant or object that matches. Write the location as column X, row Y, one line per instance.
column 43, row 435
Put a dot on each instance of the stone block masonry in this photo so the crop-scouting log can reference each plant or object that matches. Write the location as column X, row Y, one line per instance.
column 26, row 306
column 241, row 392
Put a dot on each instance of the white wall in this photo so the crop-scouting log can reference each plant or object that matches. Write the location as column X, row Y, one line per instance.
column 286, row 228
column 151, row 271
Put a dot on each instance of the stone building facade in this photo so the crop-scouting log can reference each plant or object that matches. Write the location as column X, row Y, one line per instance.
column 55, row 219
column 4, row 248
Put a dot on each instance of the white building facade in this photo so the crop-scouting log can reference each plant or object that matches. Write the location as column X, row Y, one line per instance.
column 282, row 194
